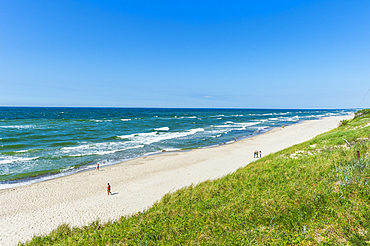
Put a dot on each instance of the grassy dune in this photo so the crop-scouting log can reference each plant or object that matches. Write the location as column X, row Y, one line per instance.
column 314, row 193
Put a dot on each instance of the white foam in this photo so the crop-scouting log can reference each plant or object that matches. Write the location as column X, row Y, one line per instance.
column 152, row 137
column 244, row 125
column 237, row 126
column 22, row 151
column 127, row 119
column 11, row 159
column 294, row 118
column 19, row 127
column 223, row 126
column 99, row 148
column 170, row 149
column 165, row 128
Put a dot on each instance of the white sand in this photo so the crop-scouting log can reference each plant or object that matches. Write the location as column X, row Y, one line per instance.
column 81, row 198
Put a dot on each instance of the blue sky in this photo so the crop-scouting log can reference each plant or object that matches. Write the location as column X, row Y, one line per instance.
column 223, row 54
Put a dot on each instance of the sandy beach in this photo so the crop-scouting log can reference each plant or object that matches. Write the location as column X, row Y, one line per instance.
column 81, row 198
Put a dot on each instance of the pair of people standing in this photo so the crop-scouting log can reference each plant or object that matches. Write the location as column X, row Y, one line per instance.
column 256, row 154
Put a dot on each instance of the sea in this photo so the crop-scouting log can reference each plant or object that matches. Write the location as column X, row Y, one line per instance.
column 41, row 143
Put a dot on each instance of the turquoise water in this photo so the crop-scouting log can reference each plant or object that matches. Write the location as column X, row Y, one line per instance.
column 42, row 143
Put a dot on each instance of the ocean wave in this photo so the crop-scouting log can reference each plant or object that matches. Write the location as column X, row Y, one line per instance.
column 11, row 159
column 294, row 118
column 22, row 151
column 165, row 128
column 152, row 137
column 101, row 120
column 125, row 119
column 97, row 149
column 170, row 149
column 248, row 124
column 19, row 127
column 237, row 126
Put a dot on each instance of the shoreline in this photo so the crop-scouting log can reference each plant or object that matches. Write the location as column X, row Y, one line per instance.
column 80, row 198
column 50, row 176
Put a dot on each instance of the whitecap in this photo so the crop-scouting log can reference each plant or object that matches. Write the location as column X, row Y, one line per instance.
column 19, row 127
column 22, row 151
column 165, row 128
column 153, row 137
column 99, row 148
column 11, row 159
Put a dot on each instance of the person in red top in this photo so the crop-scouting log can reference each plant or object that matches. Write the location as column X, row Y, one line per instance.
column 108, row 190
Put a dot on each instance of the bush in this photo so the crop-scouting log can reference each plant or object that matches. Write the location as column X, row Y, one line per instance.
column 362, row 112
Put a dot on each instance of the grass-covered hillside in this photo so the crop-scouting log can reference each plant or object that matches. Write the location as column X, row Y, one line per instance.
column 314, row 193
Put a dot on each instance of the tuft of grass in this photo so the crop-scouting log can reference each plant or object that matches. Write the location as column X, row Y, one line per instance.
column 343, row 122
column 313, row 193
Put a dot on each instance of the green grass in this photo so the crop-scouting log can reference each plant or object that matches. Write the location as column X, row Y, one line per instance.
column 314, row 193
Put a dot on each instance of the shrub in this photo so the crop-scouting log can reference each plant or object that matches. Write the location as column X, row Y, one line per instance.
column 362, row 112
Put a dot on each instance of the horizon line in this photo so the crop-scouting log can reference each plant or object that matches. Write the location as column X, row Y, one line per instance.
column 148, row 107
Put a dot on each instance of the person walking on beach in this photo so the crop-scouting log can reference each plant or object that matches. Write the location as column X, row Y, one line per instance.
column 97, row 167
column 255, row 154
column 260, row 154
column 108, row 189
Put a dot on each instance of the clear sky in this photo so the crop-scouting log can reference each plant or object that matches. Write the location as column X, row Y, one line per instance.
column 223, row 54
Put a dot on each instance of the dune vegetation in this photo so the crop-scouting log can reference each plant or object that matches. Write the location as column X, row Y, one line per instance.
column 313, row 193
